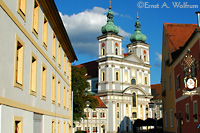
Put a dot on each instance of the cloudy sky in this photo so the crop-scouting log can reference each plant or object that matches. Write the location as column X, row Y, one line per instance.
column 83, row 20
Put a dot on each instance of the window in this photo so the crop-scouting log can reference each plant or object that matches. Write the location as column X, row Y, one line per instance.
column 35, row 18
column 195, row 112
column 87, row 114
column 33, row 74
column 117, row 114
column 68, row 68
column 187, row 113
column 58, row 127
column 64, row 97
column 94, row 114
column 116, row 76
column 44, row 78
column 134, row 115
column 145, row 80
column 53, row 126
column 103, row 51
column 58, row 92
column 65, row 62
column 78, row 128
column 127, row 105
column 134, row 99
column 171, row 117
column 21, row 9
column 53, row 88
column 87, row 129
column 103, row 76
column 18, row 125
column 118, row 105
column 94, row 129
column 102, row 115
column 45, row 31
column 178, row 82
column 116, row 51
column 59, row 55
column 54, row 47
column 170, row 84
column 165, row 118
column 145, row 58
column 126, row 77
column 140, row 79
column 19, row 63
column 64, row 127
column 133, row 81
column 68, row 99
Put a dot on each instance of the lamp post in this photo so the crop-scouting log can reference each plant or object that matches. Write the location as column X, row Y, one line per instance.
column 87, row 104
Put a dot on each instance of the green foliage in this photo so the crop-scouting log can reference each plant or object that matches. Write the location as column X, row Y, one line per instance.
column 80, row 88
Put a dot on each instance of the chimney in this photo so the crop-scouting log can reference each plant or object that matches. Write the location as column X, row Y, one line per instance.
column 198, row 18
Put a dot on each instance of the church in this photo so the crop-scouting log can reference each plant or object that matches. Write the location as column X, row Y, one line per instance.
column 121, row 80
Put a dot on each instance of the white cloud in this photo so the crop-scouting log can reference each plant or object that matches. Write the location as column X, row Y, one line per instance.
column 159, row 57
column 84, row 28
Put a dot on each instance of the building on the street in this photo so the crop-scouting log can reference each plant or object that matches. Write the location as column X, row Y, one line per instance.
column 180, row 114
column 122, row 81
column 155, row 107
column 96, row 119
column 36, row 55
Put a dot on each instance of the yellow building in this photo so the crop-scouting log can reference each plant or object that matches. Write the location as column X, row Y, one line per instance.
column 36, row 56
column 174, row 37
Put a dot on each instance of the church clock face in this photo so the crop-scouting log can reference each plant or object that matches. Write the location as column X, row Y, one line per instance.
column 190, row 83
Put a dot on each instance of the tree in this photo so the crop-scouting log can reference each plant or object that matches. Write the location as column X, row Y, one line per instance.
column 80, row 88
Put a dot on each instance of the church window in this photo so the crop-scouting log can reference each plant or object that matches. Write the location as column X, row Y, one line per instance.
column 117, row 104
column 117, row 76
column 126, row 77
column 116, row 51
column 140, row 79
column 103, row 51
column 116, row 44
column 134, row 115
column 134, row 99
column 103, row 76
column 145, row 80
column 133, row 81
column 133, row 72
column 117, row 114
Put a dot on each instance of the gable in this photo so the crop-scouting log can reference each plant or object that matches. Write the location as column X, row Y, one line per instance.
column 133, row 58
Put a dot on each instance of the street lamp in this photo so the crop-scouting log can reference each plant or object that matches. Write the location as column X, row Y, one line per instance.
column 87, row 104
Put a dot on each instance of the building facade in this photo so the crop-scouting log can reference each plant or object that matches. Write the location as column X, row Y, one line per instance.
column 36, row 56
column 122, row 81
column 96, row 120
column 176, row 37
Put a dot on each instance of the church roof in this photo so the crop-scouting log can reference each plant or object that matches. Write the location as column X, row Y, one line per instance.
column 178, row 34
column 101, row 104
column 156, row 91
column 92, row 68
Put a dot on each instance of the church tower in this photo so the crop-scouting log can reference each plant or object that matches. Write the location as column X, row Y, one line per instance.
column 110, row 49
column 138, row 45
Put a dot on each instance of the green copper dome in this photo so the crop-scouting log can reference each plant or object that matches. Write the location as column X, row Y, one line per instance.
column 138, row 36
column 110, row 27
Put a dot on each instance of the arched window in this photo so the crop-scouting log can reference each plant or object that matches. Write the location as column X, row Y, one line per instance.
column 117, row 76
column 134, row 99
column 116, row 51
column 103, row 51
column 103, row 76
column 134, row 115
column 133, row 81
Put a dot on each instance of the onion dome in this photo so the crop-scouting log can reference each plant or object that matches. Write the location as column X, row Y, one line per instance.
column 138, row 36
column 110, row 27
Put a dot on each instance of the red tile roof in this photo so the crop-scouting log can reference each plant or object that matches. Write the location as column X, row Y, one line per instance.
column 92, row 68
column 156, row 91
column 101, row 104
column 178, row 34
column 126, row 54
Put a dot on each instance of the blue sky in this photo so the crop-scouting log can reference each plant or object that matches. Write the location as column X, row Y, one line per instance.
column 83, row 20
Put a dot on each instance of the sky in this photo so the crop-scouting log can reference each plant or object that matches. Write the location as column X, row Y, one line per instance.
column 83, row 20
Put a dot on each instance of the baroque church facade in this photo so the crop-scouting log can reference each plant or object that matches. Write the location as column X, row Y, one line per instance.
column 122, row 81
